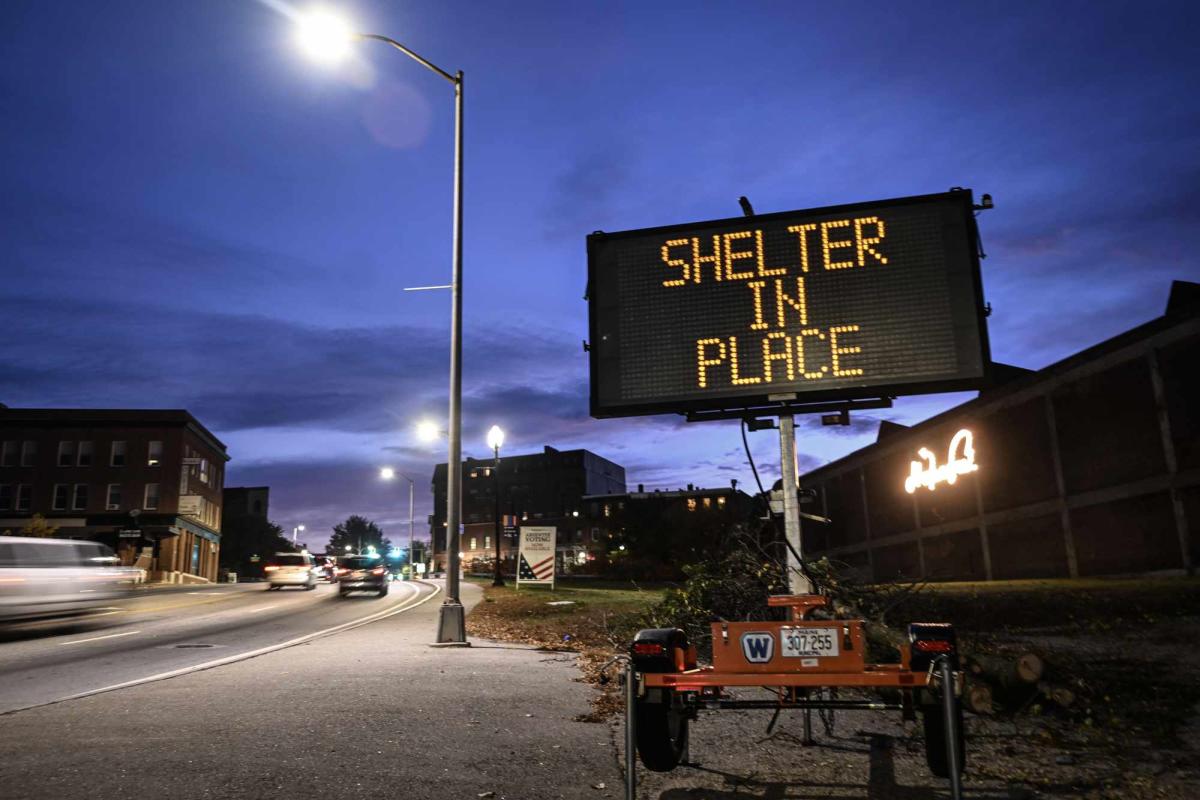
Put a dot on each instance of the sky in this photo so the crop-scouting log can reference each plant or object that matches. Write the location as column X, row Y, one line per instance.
column 196, row 216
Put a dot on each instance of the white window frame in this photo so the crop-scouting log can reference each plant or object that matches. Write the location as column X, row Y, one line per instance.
column 109, row 505
column 28, row 453
column 154, row 459
column 8, row 454
column 75, row 506
column 79, row 452
column 66, row 453
column 146, row 497
column 66, row 496
column 112, row 454
column 17, row 504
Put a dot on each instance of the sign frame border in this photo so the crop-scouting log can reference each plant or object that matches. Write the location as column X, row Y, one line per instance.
column 756, row 402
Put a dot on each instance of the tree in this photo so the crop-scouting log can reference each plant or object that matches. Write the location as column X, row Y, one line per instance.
column 359, row 533
column 245, row 536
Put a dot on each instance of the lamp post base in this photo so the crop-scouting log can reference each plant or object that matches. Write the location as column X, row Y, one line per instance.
column 452, row 627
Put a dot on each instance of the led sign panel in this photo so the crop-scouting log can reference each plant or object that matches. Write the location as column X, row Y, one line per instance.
column 866, row 300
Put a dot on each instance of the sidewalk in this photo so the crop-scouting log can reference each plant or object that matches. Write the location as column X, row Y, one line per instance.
column 372, row 712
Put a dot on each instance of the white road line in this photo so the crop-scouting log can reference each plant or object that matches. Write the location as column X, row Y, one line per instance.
column 345, row 626
column 98, row 638
column 261, row 608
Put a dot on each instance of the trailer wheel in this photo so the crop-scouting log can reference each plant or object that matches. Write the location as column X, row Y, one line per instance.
column 934, row 720
column 662, row 733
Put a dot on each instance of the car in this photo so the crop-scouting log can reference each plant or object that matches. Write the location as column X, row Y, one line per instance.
column 362, row 573
column 58, row 577
column 290, row 569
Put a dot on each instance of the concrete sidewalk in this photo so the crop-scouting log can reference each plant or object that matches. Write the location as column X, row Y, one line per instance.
column 371, row 712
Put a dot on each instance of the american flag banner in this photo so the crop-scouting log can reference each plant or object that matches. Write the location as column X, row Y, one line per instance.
column 535, row 563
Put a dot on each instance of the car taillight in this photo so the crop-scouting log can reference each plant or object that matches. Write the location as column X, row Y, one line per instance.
column 270, row 568
column 648, row 649
column 377, row 571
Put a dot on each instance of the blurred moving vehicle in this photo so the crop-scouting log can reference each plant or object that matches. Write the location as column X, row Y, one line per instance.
column 362, row 573
column 58, row 577
column 325, row 568
column 290, row 569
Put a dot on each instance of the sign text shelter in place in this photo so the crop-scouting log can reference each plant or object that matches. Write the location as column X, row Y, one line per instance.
column 873, row 299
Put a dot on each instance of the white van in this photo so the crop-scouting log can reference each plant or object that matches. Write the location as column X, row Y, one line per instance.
column 53, row 577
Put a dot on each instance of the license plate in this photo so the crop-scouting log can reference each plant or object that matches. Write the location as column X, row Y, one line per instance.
column 808, row 642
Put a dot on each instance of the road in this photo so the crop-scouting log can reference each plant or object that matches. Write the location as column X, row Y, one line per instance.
column 164, row 630
column 368, row 711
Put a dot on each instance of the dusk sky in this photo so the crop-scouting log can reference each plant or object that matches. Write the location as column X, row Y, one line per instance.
column 195, row 216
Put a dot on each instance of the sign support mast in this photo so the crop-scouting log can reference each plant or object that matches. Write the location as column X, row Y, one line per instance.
column 798, row 582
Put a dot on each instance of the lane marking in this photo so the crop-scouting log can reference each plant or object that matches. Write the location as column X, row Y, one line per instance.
column 220, row 662
column 98, row 638
column 261, row 608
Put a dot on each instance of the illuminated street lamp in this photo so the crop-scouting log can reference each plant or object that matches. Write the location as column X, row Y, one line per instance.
column 495, row 438
column 295, row 531
column 327, row 39
column 387, row 474
column 427, row 430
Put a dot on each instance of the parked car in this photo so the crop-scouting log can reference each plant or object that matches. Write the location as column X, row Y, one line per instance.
column 58, row 577
column 362, row 573
column 290, row 569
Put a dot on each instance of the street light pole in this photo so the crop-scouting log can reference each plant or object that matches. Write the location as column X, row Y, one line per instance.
column 328, row 38
column 387, row 473
column 495, row 438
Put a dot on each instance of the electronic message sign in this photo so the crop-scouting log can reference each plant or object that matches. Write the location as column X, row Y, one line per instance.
column 867, row 300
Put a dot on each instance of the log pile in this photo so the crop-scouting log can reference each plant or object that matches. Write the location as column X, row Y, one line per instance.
column 1010, row 684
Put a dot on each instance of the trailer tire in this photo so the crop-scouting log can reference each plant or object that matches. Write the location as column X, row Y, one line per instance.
column 934, row 720
column 662, row 734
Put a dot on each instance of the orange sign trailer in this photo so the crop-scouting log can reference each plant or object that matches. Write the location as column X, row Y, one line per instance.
column 665, row 688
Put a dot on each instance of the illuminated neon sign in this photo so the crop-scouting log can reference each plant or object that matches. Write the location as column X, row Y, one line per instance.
column 960, row 460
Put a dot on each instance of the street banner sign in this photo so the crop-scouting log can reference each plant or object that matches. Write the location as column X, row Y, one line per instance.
column 869, row 300
column 536, row 554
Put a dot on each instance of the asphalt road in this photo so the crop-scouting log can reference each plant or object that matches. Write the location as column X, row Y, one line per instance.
column 371, row 711
column 162, row 630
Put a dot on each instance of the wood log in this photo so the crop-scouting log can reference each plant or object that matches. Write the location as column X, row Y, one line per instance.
column 1059, row 695
column 977, row 697
column 1006, row 672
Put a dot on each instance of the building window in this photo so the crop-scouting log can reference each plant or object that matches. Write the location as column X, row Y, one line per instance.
column 66, row 454
column 154, row 454
column 691, row 504
column 117, row 458
column 28, row 453
column 607, row 510
column 6, row 496
column 113, row 503
column 708, row 502
column 61, row 490
column 487, row 542
column 472, row 547
column 24, row 496
column 85, row 454
column 8, row 454
column 80, row 500
column 204, row 471
column 151, row 501
column 579, row 535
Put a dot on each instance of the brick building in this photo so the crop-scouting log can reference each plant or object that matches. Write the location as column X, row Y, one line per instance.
column 545, row 488
column 1090, row 466
column 145, row 482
